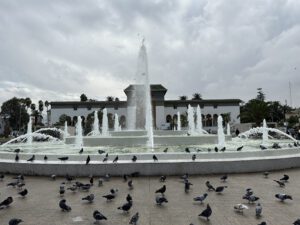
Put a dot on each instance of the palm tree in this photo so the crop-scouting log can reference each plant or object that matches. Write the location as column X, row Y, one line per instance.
column 110, row 98
column 183, row 97
column 197, row 96
column 83, row 98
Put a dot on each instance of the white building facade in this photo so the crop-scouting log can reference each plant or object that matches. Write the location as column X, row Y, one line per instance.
column 164, row 111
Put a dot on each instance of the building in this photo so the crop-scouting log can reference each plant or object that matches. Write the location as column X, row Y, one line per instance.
column 164, row 111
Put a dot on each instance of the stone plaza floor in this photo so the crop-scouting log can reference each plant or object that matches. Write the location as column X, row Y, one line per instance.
column 41, row 204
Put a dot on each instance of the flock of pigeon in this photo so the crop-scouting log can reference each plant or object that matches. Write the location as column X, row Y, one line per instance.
column 72, row 185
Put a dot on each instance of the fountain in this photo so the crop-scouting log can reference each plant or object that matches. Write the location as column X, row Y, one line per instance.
column 178, row 121
column 104, row 123
column 116, row 124
column 66, row 133
column 78, row 138
column 199, row 121
column 29, row 131
column 221, row 136
column 191, row 120
column 228, row 129
column 96, row 131
column 264, row 133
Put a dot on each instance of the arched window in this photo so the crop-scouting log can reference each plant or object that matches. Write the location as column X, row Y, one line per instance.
column 74, row 120
column 168, row 118
column 208, row 120
column 110, row 119
column 123, row 121
column 215, row 120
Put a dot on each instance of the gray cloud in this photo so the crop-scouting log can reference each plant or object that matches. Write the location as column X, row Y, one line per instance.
column 56, row 50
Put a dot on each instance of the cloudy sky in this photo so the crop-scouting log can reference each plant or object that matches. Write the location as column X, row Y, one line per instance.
column 56, row 50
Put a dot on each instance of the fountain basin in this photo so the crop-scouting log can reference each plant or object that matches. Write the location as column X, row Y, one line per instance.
column 168, row 164
column 170, row 140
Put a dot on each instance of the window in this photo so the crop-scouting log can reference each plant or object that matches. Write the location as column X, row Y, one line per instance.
column 215, row 106
column 75, row 107
column 89, row 107
column 174, row 106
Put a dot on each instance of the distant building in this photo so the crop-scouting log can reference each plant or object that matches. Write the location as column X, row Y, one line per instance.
column 164, row 111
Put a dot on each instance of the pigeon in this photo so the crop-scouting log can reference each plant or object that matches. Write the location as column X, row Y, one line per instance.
column 116, row 159
column 263, row 147
column 201, row 198
column 45, row 158
column 295, row 144
column 134, row 219
column 15, row 221
column 193, row 157
column 285, row 178
column 165, row 150
column 223, row 149
column 13, row 184
column 20, row 185
column 81, row 151
column 160, row 199
column 17, row 150
column 69, row 178
column 98, row 216
column 91, row 180
column 87, row 160
column 64, row 206
column 209, row 186
column 61, row 190
column 187, row 185
column 240, row 148
column 23, row 193
column 130, row 185
column 283, row 197
column 128, row 198
column 281, row 184
column 258, row 210
column 89, row 198
column 162, row 190
column 162, row 178
column 134, row 158
column 240, row 207
column 31, row 159
column 185, row 176
column 63, row 159
column 224, row 178
column 109, row 197
column 276, row 146
column 114, row 191
column 297, row 222
column 206, row 212
column 263, row 223
column 251, row 198
column 209, row 150
column 73, row 188
column 6, row 202
column 100, row 182
column 249, row 192
column 86, row 187
column 216, row 149
column 187, row 150
column 266, row 174
column 17, row 158
column 125, row 177
column 105, row 159
column 155, row 158
column 101, row 151
column 126, row 207
column 220, row 189
column 107, row 177
column 53, row 177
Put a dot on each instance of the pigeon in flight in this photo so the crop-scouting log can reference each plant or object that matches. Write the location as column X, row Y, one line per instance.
column 206, row 212
column 64, row 206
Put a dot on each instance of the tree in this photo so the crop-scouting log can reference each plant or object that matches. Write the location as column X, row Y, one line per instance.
column 117, row 99
column 83, row 98
column 41, row 106
column 110, row 98
column 254, row 111
column 27, row 102
column 197, row 96
column 62, row 119
column 293, row 120
column 260, row 95
column 32, row 107
column 15, row 109
column 47, row 104
column 183, row 98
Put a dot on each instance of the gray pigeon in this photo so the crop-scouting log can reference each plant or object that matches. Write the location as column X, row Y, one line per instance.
column 64, row 206
column 98, row 216
column 6, row 202
column 160, row 199
column 134, row 219
column 201, row 198
column 89, row 198
column 258, row 210
column 15, row 221
column 283, row 197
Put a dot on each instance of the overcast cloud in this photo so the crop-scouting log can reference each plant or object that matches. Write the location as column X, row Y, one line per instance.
column 56, row 50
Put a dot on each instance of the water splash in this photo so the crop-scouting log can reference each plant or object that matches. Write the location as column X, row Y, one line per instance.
column 104, row 123
column 78, row 138
column 221, row 136
column 116, row 124
column 96, row 130
column 29, row 131
column 191, row 121
column 228, row 129
column 178, row 121
column 66, row 133
column 199, row 121
column 265, row 132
